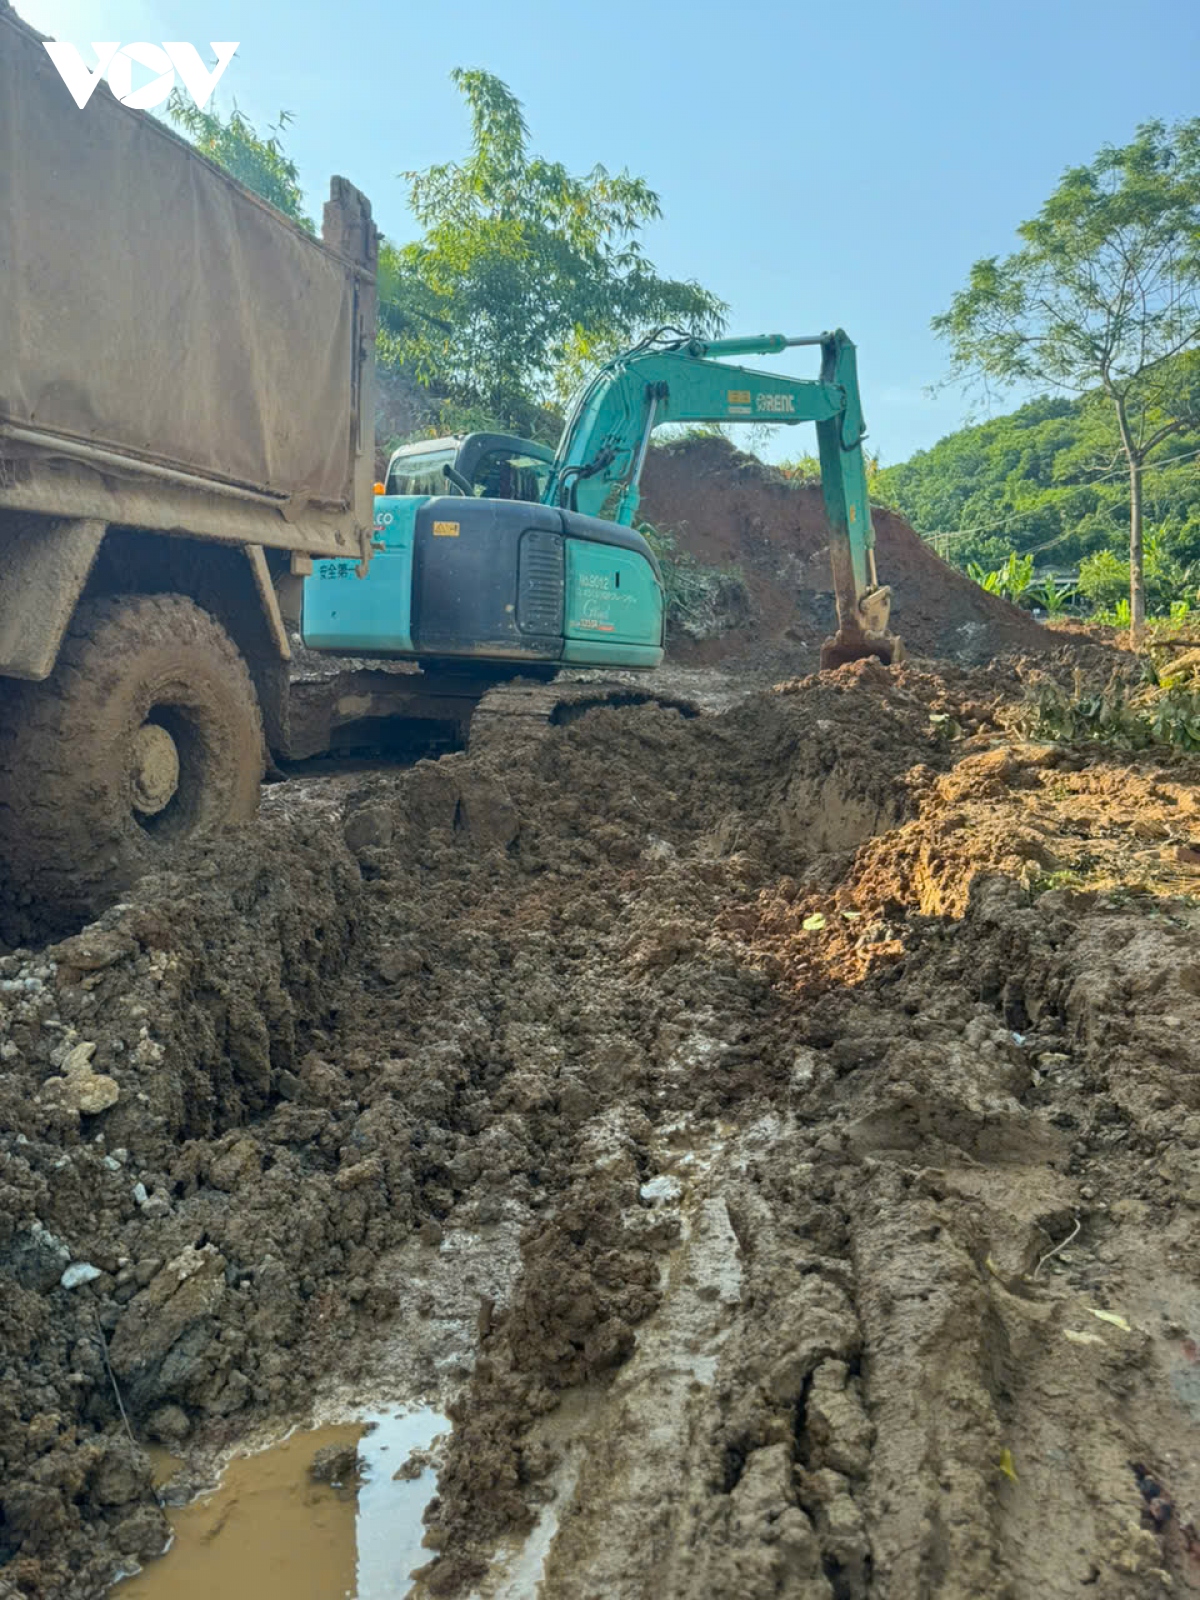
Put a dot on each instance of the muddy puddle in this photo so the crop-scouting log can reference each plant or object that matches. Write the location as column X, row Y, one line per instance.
column 272, row 1530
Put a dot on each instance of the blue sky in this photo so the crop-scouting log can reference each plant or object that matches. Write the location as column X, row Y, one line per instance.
column 818, row 165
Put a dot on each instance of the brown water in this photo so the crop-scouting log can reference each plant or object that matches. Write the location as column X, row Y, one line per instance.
column 270, row 1533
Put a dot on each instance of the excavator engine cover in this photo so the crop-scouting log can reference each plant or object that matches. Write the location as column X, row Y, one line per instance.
column 497, row 580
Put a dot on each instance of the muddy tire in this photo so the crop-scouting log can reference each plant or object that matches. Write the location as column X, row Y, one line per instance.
column 146, row 735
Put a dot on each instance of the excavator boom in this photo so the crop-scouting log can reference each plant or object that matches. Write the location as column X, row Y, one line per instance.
column 677, row 379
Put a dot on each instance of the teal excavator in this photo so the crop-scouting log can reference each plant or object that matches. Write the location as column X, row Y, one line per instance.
column 495, row 550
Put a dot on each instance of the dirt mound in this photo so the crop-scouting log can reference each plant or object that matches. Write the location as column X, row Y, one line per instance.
column 727, row 508
column 773, row 1135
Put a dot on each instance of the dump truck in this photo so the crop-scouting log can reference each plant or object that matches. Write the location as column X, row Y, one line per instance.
column 186, row 425
column 187, row 494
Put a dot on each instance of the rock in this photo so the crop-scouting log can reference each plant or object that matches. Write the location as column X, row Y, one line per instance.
column 774, row 1541
column 335, row 1464
column 143, row 1534
column 371, row 827
column 431, row 794
column 79, row 1272
column 661, row 1190
column 93, row 1092
column 292, row 1124
column 353, row 1177
column 488, row 814
column 838, row 1428
column 234, row 1394
column 34, row 1511
column 174, row 1310
column 169, row 1425
column 36, row 1258
column 82, row 1090
column 92, row 950
column 825, row 1495
column 399, row 962
column 123, row 1475
column 240, row 1164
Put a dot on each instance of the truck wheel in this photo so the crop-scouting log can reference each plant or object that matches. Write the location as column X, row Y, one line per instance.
column 146, row 734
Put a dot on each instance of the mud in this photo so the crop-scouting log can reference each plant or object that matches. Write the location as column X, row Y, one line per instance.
column 270, row 1530
column 316, row 1515
column 772, row 1137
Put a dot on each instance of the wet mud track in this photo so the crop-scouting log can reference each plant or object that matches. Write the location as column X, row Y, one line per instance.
column 772, row 1138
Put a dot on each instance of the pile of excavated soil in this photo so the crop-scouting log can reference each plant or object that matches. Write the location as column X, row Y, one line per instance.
column 729, row 509
column 774, row 1136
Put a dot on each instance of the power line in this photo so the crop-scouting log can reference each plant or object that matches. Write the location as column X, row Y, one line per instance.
column 945, row 535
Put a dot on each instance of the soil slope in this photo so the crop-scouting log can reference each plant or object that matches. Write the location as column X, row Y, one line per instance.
column 726, row 508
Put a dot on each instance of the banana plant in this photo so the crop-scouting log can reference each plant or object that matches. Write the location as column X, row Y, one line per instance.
column 1009, row 581
column 1054, row 595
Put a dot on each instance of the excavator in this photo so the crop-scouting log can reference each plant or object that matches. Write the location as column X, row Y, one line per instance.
column 497, row 555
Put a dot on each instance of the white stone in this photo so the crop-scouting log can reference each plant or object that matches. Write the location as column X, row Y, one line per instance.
column 661, row 1190
column 79, row 1272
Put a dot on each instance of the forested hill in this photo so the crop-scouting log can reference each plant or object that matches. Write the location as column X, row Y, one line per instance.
column 1048, row 478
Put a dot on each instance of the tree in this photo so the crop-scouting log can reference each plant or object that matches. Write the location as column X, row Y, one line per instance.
column 525, row 274
column 1104, row 293
column 235, row 145
column 1045, row 479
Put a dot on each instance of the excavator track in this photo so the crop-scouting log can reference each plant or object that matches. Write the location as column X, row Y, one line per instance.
column 519, row 715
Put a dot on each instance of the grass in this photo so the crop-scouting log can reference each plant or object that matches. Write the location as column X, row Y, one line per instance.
column 1164, row 713
column 698, row 597
column 1063, row 878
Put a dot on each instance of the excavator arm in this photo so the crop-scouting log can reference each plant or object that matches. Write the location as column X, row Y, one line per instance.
column 674, row 379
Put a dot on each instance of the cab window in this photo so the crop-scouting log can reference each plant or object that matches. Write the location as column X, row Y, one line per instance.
column 503, row 475
column 420, row 474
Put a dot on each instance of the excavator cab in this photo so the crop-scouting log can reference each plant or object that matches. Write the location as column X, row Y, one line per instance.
column 489, row 466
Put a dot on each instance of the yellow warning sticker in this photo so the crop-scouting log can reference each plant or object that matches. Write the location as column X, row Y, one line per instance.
column 445, row 530
column 853, row 513
column 738, row 397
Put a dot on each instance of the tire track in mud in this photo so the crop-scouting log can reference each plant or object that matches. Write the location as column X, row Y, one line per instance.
column 721, row 1238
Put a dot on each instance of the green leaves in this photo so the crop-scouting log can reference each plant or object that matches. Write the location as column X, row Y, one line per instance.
column 526, row 274
column 700, row 599
column 1171, row 582
column 1107, row 281
column 1104, row 578
column 1053, row 595
column 1103, row 293
column 235, row 145
column 1170, row 718
column 1048, row 479
column 1010, row 581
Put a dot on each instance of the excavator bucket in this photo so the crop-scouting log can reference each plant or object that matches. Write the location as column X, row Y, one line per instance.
column 863, row 634
column 844, row 646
